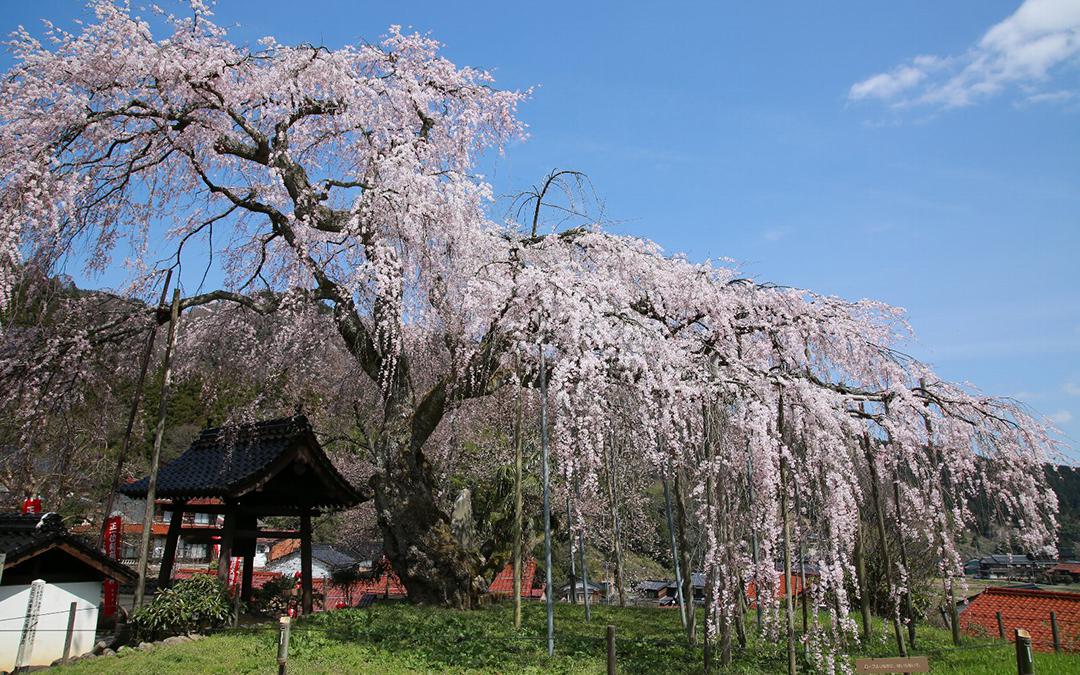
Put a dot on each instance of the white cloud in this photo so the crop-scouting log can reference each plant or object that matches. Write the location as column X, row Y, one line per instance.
column 1022, row 50
column 1060, row 417
column 1026, row 395
column 1071, row 388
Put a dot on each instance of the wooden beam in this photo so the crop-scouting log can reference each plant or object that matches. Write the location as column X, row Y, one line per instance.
column 240, row 533
column 171, row 539
column 305, row 561
column 257, row 510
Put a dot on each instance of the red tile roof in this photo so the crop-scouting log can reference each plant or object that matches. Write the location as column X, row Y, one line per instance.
column 1070, row 567
column 1028, row 609
column 503, row 583
column 283, row 548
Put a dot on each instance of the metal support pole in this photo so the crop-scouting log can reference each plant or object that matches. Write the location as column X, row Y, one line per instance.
column 550, row 591
column 1025, row 665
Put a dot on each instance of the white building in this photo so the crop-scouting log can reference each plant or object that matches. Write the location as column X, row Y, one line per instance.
column 39, row 547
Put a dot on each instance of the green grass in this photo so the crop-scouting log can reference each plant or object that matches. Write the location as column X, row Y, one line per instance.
column 399, row 638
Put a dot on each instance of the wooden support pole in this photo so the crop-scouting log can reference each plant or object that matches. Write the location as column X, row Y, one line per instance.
column 70, row 630
column 611, row 650
column 1054, row 632
column 248, row 578
column 909, row 609
column 518, row 509
column 549, row 590
column 860, row 582
column 684, row 553
column 225, row 552
column 584, row 567
column 132, row 413
column 305, row 561
column 570, row 548
column 613, row 491
column 1025, row 664
column 283, row 644
column 883, row 542
column 236, row 604
column 155, row 458
column 789, row 619
column 674, row 552
column 1001, row 626
column 168, row 558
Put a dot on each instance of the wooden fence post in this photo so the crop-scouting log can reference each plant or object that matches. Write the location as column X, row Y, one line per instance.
column 283, row 644
column 611, row 650
column 70, row 631
column 1054, row 632
column 1001, row 626
column 1024, row 663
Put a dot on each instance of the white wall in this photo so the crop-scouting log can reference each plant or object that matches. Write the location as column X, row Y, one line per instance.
column 290, row 565
column 52, row 622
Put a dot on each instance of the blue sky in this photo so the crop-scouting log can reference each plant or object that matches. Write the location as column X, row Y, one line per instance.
column 922, row 153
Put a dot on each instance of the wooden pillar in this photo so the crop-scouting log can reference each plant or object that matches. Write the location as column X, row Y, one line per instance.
column 247, row 527
column 168, row 558
column 245, row 587
column 227, row 536
column 305, row 560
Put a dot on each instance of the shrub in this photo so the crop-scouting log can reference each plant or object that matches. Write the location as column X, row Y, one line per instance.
column 196, row 604
column 273, row 598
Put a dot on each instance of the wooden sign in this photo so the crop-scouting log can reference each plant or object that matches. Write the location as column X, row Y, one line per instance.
column 893, row 664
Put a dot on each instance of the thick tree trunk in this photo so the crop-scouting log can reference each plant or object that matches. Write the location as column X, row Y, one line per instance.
column 418, row 538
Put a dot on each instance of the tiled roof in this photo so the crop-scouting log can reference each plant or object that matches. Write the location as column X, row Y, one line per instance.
column 503, row 583
column 1070, row 567
column 1028, row 609
column 333, row 557
column 283, row 548
column 23, row 536
column 222, row 461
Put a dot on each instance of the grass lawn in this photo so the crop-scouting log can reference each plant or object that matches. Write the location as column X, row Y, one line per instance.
column 399, row 638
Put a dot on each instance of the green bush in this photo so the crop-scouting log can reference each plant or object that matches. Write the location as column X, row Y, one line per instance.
column 273, row 598
column 192, row 605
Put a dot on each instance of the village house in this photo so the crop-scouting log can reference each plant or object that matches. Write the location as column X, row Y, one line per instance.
column 47, row 567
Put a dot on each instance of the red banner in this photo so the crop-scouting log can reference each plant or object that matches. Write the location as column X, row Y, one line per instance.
column 113, row 533
column 234, row 572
